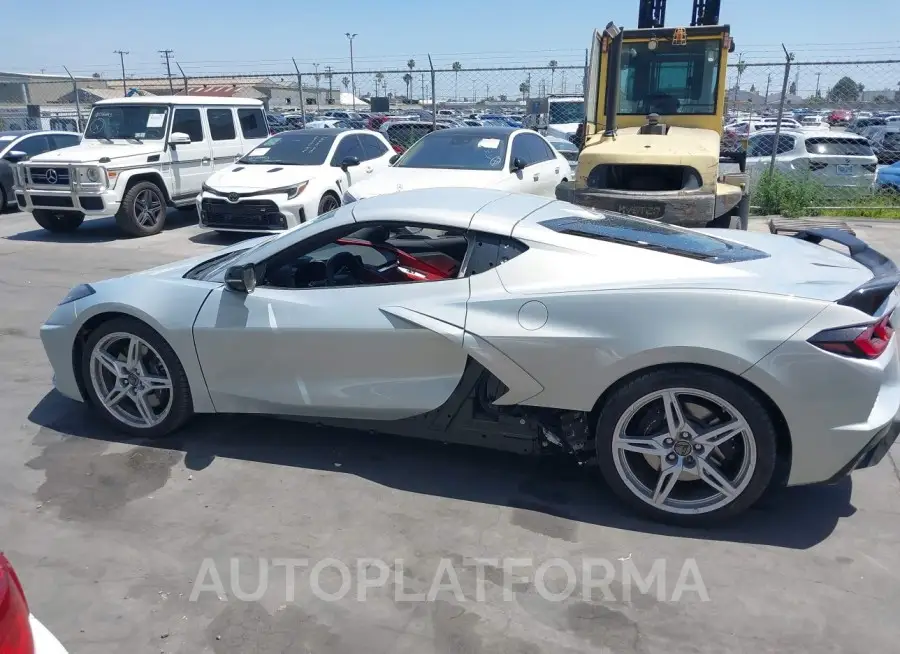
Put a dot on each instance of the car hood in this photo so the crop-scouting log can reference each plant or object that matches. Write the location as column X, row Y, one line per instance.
column 257, row 177
column 92, row 151
column 563, row 130
column 393, row 180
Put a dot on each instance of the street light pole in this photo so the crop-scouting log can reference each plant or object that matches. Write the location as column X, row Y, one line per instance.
column 352, row 80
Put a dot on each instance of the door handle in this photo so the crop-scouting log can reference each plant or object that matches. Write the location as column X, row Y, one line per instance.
column 557, row 170
column 369, row 169
column 537, row 176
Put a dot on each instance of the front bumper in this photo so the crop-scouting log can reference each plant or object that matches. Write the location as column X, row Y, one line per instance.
column 694, row 208
column 105, row 203
column 259, row 213
column 58, row 338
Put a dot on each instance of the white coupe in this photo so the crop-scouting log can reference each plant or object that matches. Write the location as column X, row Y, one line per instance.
column 507, row 159
column 290, row 178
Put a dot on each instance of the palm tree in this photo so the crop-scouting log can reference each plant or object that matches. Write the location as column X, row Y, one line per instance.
column 523, row 89
column 456, row 68
column 411, row 64
column 553, row 64
column 408, row 79
column 379, row 81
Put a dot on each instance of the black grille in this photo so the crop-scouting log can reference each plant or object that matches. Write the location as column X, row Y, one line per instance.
column 40, row 176
column 246, row 214
column 51, row 201
column 91, row 203
column 20, row 199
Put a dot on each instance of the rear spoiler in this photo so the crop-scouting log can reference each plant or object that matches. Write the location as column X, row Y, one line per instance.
column 869, row 297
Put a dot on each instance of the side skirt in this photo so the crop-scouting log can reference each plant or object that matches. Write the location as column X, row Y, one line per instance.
column 469, row 417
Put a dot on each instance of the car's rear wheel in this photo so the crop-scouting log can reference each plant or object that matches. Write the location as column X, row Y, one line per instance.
column 686, row 446
column 134, row 378
column 58, row 221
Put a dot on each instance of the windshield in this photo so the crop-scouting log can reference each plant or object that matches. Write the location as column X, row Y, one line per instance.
column 456, row 151
column 841, row 147
column 142, row 122
column 291, row 149
column 670, row 79
column 566, row 112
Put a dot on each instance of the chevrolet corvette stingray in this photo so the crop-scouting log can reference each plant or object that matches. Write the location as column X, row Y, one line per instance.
column 693, row 369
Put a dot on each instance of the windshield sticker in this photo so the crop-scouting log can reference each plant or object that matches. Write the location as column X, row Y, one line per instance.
column 271, row 142
column 155, row 120
column 140, row 135
column 259, row 152
column 491, row 144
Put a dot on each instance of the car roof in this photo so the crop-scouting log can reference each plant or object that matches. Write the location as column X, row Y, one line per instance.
column 812, row 135
column 182, row 99
column 313, row 131
column 31, row 132
column 485, row 132
column 18, row 132
column 487, row 209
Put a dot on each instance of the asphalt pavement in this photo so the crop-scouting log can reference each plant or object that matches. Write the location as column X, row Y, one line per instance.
column 110, row 535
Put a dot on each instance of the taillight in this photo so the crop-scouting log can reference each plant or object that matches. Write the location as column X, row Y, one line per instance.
column 858, row 341
column 15, row 632
column 399, row 149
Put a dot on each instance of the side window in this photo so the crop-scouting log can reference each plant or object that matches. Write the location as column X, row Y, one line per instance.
column 373, row 146
column 33, row 145
column 348, row 147
column 188, row 122
column 520, row 150
column 331, row 259
column 221, row 124
column 785, row 143
column 253, row 123
column 539, row 150
column 761, row 146
column 65, row 140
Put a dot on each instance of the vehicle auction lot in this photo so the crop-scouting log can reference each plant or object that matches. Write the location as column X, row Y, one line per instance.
column 109, row 534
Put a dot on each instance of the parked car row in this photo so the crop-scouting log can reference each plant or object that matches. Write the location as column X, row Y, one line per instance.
column 141, row 155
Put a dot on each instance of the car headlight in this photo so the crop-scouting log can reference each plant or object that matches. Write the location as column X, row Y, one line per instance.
column 206, row 188
column 91, row 175
column 348, row 198
column 79, row 292
column 293, row 190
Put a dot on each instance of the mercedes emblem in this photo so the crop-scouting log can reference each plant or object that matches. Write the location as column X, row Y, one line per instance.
column 52, row 177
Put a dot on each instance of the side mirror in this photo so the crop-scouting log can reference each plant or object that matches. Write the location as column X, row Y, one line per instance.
column 349, row 162
column 517, row 165
column 15, row 156
column 179, row 138
column 241, row 279
column 394, row 159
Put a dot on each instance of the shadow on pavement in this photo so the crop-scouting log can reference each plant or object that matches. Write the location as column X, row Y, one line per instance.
column 212, row 237
column 101, row 230
column 796, row 518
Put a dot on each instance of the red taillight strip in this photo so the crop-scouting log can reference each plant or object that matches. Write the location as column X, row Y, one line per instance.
column 859, row 341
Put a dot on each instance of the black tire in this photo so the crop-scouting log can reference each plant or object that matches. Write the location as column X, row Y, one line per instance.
column 128, row 216
column 3, row 201
column 742, row 399
column 58, row 221
column 329, row 202
column 182, row 407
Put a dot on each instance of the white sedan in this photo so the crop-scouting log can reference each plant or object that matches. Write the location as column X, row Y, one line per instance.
column 290, row 178
column 508, row 159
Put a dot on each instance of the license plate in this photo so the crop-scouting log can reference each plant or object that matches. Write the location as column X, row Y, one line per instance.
column 642, row 209
column 845, row 169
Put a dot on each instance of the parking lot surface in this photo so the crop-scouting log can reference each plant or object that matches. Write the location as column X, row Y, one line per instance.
column 110, row 535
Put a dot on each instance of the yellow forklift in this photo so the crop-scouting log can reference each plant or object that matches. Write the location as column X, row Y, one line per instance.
column 654, row 109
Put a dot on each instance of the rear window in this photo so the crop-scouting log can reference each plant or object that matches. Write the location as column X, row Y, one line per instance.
column 842, row 147
column 652, row 235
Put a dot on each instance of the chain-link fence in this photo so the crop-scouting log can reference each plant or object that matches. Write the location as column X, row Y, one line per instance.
column 838, row 122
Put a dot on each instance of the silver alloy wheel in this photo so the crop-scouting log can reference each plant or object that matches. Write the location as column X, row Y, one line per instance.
column 148, row 208
column 131, row 380
column 692, row 461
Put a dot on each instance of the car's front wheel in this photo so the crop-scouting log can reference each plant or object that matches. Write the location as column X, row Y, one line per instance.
column 686, row 446
column 329, row 202
column 143, row 210
column 134, row 378
column 58, row 221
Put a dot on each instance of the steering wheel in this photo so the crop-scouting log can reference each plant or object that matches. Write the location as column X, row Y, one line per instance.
column 343, row 268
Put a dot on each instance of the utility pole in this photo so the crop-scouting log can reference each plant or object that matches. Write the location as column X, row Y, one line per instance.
column 768, row 82
column 423, row 88
column 316, row 77
column 168, row 55
column 328, row 74
column 122, row 54
column 352, row 80
column 818, row 77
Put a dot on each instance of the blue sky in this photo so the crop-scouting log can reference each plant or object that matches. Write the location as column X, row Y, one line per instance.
column 230, row 36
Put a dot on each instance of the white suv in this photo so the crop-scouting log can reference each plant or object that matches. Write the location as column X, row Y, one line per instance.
column 138, row 157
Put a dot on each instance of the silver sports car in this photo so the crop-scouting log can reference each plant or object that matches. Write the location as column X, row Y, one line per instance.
column 695, row 369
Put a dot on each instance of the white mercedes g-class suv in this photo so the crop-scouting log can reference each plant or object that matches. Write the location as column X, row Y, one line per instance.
column 139, row 156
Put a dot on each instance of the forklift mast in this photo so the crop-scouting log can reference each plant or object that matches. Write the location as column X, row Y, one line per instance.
column 652, row 13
